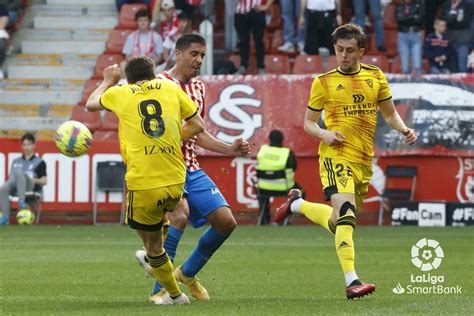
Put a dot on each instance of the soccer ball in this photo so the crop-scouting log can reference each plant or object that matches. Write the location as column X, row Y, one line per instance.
column 73, row 138
column 25, row 217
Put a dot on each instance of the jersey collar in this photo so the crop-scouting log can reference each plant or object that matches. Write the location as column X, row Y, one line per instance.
column 349, row 73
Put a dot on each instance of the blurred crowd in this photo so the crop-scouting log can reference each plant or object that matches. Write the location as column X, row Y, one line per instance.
column 440, row 30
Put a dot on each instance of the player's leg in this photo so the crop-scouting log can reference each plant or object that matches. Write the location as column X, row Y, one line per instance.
column 178, row 219
column 318, row 213
column 5, row 190
column 206, row 203
column 147, row 218
column 350, row 182
column 23, row 184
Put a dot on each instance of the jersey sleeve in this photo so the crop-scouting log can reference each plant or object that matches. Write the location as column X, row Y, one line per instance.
column 316, row 99
column 109, row 98
column 41, row 170
column 384, row 90
column 186, row 104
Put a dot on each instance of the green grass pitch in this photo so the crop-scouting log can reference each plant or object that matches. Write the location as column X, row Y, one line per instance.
column 86, row 270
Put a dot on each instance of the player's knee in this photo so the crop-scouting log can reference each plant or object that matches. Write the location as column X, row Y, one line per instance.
column 19, row 172
column 226, row 225
column 179, row 220
column 347, row 206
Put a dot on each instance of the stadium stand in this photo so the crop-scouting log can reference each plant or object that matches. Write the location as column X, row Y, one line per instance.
column 89, row 119
column 127, row 15
column 380, row 61
column 105, row 60
column 109, row 122
column 308, row 64
column 277, row 64
column 54, row 50
column 116, row 41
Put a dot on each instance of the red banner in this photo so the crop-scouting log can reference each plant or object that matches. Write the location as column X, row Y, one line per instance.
column 439, row 108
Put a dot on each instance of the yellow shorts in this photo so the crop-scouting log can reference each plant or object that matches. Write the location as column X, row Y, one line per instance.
column 146, row 208
column 338, row 176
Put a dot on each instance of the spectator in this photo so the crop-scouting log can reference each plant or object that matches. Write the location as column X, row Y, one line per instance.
column 431, row 8
column 165, row 18
column 144, row 41
column 13, row 7
column 437, row 48
column 290, row 10
column 3, row 36
column 458, row 15
column 376, row 11
column 250, row 17
column 323, row 17
column 274, row 157
column 27, row 173
column 120, row 3
column 410, row 21
column 184, row 26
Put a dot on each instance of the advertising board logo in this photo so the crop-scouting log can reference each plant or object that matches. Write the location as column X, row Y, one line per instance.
column 228, row 114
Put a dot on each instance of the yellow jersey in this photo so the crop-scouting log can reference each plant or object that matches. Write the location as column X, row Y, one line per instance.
column 150, row 117
column 350, row 103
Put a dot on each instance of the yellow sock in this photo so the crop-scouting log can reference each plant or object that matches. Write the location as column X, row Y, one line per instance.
column 344, row 244
column 319, row 214
column 162, row 269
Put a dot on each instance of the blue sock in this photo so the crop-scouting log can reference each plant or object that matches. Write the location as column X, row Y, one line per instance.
column 209, row 242
column 170, row 245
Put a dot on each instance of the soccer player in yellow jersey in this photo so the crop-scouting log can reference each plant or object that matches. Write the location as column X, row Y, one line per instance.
column 350, row 96
column 150, row 113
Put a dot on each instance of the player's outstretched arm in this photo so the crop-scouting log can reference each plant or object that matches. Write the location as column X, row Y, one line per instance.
column 192, row 127
column 239, row 147
column 111, row 77
column 332, row 138
column 393, row 119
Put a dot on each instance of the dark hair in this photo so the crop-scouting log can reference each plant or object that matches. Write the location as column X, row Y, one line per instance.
column 349, row 31
column 185, row 40
column 143, row 13
column 28, row 136
column 139, row 68
column 183, row 16
column 276, row 138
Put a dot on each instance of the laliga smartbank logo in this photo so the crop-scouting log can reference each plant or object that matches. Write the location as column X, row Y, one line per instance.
column 427, row 255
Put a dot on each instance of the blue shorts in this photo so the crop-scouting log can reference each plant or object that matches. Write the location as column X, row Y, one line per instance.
column 203, row 197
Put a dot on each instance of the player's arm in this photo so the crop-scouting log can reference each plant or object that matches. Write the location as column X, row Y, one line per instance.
column 41, row 173
column 239, row 147
column 193, row 126
column 393, row 119
column 313, row 113
column 332, row 138
column 111, row 77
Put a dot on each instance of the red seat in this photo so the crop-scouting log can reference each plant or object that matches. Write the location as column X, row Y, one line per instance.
column 116, row 41
column 276, row 20
column 277, row 40
column 127, row 15
column 89, row 119
column 89, row 87
column 308, row 64
column 105, row 135
column 105, row 60
column 277, row 64
column 396, row 65
column 251, row 70
column 380, row 61
column 109, row 122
